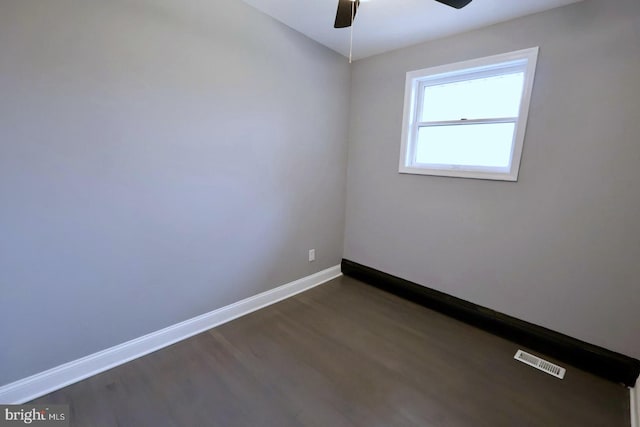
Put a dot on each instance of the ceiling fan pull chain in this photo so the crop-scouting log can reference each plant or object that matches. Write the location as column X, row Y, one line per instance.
column 353, row 12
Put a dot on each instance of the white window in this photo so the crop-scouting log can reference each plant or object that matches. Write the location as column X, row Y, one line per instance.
column 468, row 119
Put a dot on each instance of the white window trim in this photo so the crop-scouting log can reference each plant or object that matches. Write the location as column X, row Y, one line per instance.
column 465, row 70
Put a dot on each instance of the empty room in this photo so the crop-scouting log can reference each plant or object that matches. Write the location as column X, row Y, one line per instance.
column 320, row 213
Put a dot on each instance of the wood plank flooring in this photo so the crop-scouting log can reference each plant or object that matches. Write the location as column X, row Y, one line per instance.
column 342, row 354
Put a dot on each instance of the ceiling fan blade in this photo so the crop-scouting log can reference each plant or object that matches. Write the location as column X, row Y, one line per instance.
column 458, row 4
column 346, row 13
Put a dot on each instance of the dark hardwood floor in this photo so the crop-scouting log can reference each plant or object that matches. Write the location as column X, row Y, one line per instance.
column 342, row 354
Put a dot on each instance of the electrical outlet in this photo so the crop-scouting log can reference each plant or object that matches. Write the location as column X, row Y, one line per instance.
column 312, row 255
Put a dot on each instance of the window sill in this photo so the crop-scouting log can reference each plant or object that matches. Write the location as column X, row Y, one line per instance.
column 460, row 173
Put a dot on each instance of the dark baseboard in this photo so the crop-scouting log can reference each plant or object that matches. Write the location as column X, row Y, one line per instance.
column 597, row 360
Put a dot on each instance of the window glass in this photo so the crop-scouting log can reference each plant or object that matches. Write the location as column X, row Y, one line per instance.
column 487, row 145
column 484, row 98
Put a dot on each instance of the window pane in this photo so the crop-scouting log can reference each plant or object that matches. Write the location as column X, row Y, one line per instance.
column 466, row 145
column 485, row 98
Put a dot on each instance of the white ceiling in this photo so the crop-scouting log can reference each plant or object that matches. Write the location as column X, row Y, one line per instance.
column 383, row 25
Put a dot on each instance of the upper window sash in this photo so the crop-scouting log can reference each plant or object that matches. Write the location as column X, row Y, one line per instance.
column 510, row 108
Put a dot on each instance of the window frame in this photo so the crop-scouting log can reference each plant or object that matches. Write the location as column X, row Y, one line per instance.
column 416, row 81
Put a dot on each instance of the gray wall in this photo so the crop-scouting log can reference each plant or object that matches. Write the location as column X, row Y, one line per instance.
column 561, row 247
column 158, row 160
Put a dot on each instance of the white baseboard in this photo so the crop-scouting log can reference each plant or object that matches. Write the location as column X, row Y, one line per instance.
column 53, row 379
column 635, row 405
